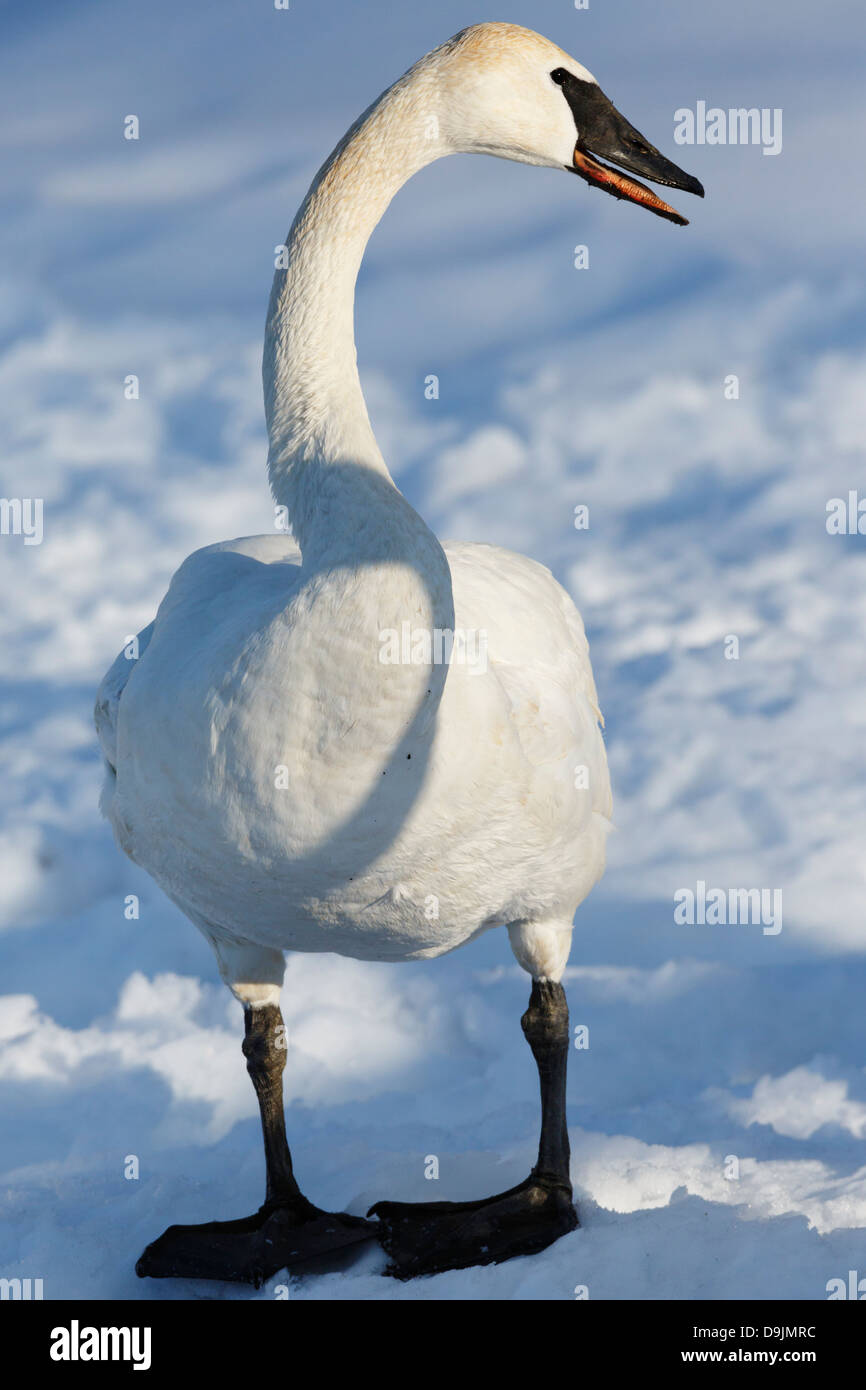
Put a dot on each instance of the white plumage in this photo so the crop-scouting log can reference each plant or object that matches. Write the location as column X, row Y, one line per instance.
column 285, row 785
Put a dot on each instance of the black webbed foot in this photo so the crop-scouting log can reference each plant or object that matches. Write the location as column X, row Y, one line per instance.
column 430, row 1237
column 279, row 1236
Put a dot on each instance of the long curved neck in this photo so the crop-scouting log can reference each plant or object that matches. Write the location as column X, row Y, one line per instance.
column 323, row 458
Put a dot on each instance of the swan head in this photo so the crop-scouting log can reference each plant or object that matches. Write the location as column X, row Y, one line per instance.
column 510, row 92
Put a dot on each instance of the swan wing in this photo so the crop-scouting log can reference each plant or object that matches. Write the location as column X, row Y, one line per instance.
column 200, row 580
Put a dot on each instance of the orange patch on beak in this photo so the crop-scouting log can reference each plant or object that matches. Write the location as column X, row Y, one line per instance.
column 621, row 186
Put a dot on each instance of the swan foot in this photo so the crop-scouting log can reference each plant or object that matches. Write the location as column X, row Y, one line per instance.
column 430, row 1237
column 279, row 1236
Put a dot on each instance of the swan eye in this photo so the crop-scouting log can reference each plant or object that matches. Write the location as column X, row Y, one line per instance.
column 558, row 76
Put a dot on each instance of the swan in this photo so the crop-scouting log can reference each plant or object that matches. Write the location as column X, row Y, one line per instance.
column 358, row 739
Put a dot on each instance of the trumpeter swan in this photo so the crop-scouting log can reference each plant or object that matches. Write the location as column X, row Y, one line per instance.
column 294, row 757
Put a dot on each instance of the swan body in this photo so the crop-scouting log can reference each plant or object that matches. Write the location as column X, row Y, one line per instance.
column 296, row 753
column 276, row 801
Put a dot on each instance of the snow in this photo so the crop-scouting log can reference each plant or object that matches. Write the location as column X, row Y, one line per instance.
column 388, row 1066
column 557, row 388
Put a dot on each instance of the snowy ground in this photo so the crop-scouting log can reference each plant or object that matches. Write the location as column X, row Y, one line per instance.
column 558, row 387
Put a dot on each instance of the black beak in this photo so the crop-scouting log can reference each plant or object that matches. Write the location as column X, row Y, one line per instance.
column 602, row 133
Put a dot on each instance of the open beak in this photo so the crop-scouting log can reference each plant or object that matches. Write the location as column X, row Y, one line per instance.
column 609, row 136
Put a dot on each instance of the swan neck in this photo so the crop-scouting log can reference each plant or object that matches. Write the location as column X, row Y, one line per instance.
column 315, row 408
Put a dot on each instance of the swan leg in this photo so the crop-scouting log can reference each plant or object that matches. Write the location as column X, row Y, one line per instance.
column 429, row 1237
column 265, row 1051
column 287, row 1230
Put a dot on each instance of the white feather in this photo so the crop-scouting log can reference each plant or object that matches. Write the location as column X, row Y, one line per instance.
column 288, row 789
